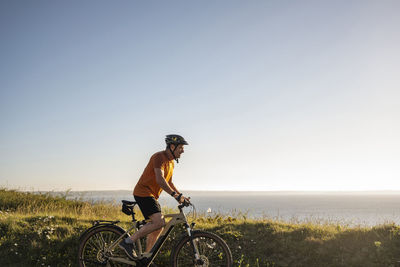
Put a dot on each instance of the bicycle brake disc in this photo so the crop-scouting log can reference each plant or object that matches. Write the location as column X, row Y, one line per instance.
column 203, row 262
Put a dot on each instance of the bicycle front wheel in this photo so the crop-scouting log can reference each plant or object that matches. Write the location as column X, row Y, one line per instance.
column 93, row 249
column 212, row 249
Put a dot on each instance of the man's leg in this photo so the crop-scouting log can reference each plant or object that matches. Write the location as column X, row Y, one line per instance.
column 157, row 223
column 152, row 238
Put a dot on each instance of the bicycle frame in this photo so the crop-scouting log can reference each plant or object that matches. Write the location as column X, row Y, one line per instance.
column 178, row 218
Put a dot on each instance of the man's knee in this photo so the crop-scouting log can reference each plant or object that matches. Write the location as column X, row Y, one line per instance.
column 160, row 223
column 157, row 220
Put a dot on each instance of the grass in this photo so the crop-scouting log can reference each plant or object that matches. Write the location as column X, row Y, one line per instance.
column 43, row 230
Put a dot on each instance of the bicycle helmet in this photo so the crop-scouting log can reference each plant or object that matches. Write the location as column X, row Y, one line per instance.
column 174, row 139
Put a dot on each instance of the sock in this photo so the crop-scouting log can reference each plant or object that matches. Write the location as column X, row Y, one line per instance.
column 128, row 240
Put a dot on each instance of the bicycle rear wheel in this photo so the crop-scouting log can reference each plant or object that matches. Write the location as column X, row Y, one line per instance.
column 93, row 247
column 213, row 251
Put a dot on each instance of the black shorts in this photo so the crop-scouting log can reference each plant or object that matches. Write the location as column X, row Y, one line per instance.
column 148, row 206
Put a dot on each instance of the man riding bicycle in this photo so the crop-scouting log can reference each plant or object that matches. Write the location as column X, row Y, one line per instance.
column 156, row 177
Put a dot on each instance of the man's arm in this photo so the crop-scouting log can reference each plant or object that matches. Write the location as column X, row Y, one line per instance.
column 173, row 187
column 161, row 181
column 183, row 198
column 166, row 187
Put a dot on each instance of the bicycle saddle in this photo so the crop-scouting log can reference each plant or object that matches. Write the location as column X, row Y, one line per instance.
column 126, row 202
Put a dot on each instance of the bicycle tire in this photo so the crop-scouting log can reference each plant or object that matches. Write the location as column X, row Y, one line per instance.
column 213, row 251
column 91, row 247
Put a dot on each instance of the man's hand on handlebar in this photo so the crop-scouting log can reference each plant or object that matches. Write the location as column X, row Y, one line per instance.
column 182, row 199
column 186, row 201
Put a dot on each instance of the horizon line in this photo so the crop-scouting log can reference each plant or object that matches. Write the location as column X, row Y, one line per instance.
column 214, row 190
column 238, row 191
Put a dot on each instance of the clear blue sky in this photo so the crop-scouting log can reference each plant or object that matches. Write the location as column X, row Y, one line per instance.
column 271, row 95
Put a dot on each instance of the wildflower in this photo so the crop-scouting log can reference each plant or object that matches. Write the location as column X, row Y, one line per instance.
column 239, row 247
column 209, row 210
column 15, row 244
column 44, row 258
column 377, row 244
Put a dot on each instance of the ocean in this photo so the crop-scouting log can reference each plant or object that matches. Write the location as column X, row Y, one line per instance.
column 345, row 208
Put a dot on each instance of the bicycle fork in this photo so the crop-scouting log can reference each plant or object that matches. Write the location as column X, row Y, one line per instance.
column 199, row 261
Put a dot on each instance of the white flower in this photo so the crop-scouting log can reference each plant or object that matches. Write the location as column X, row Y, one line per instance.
column 209, row 210
column 15, row 244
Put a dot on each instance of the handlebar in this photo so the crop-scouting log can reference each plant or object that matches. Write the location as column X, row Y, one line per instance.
column 185, row 204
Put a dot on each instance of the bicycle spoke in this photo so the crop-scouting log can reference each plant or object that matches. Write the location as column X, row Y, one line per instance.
column 95, row 243
column 102, row 239
column 186, row 255
column 100, row 244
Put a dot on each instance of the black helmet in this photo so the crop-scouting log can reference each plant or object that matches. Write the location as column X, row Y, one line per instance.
column 174, row 139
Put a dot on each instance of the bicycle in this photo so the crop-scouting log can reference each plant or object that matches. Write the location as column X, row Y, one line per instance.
column 99, row 244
